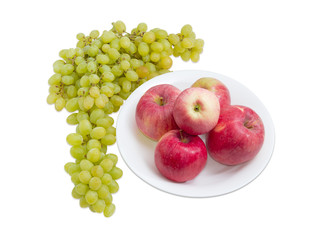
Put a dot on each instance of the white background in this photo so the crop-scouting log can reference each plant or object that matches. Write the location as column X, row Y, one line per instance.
column 272, row 47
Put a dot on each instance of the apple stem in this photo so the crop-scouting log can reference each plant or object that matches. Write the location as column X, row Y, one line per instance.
column 183, row 139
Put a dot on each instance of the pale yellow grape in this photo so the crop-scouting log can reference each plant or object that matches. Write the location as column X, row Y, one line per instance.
column 103, row 192
column 74, row 139
column 98, row 132
column 72, row 91
column 125, row 65
column 85, row 176
column 186, row 30
column 117, row 70
column 155, row 56
column 67, row 69
column 95, row 183
column 165, row 63
column 57, row 66
column 115, row 43
column 126, row 86
column 116, row 100
column 81, row 188
column 93, row 155
column 142, row 27
column 92, row 67
column 68, row 165
column 156, row 47
column 94, row 34
column 117, row 88
column 85, row 127
column 115, row 173
column 75, row 178
column 106, row 179
column 108, row 108
column 94, row 92
column 93, row 51
column 185, row 56
column 102, row 59
column 198, row 44
column 194, row 56
column 55, row 79
column 105, row 122
column 91, row 197
column 108, row 199
column 132, row 76
column 113, row 53
column 86, row 165
column 161, row 34
column 82, row 115
column 88, row 102
column 99, row 206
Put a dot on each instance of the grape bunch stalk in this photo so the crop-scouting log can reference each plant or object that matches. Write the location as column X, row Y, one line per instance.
column 92, row 81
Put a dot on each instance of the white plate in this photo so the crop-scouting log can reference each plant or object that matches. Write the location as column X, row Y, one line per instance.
column 215, row 179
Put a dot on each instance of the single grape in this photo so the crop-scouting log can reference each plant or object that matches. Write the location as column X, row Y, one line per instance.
column 93, row 155
column 86, row 165
column 99, row 206
column 95, row 183
column 91, row 197
column 97, row 171
column 74, row 139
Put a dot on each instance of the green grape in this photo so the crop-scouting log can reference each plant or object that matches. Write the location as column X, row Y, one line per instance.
column 82, row 115
column 79, row 60
column 125, row 65
column 93, row 51
column 101, row 101
column 77, row 152
column 72, row 105
column 117, row 70
column 91, row 197
column 108, row 108
column 72, row 168
column 124, row 95
column 105, row 122
column 119, row 26
column 132, row 76
column 88, row 102
column 161, row 34
column 113, row 53
column 95, row 115
column 187, row 43
column 81, row 188
column 75, row 194
column 83, row 202
column 75, row 178
column 72, row 119
column 109, row 210
column 143, row 49
column 72, row 91
column 99, row 206
column 132, row 49
column 155, row 56
column 113, row 186
column 97, row 171
column 108, row 139
column 165, row 62
column 117, row 88
column 105, row 48
column 106, row 164
column 60, row 103
column 68, row 165
column 126, row 86
column 107, row 76
column 102, row 59
column 92, row 67
column 57, row 66
column 124, row 42
column 115, row 43
column 103, row 191
column 67, row 69
column 142, row 27
column 86, row 164
column 115, row 173
column 93, row 79
column 194, row 56
column 85, row 176
column 112, row 157
column 185, row 56
column 94, row 92
column 116, row 100
column 55, row 79
column 106, row 179
column 109, row 199
column 107, row 36
column 74, row 139
column 85, row 127
column 82, row 68
column 52, row 98
column 198, row 44
column 186, row 30
column 149, row 37
column 94, row 34
column 95, row 183
column 93, row 155
column 98, row 132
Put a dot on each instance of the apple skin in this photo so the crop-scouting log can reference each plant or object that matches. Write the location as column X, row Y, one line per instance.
column 154, row 111
column 237, row 137
column 180, row 157
column 217, row 87
column 196, row 110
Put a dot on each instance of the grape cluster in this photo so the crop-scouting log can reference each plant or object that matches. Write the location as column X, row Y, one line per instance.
column 92, row 81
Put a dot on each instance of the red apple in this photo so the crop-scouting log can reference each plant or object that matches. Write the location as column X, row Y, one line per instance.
column 237, row 137
column 154, row 111
column 196, row 110
column 180, row 157
column 215, row 86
